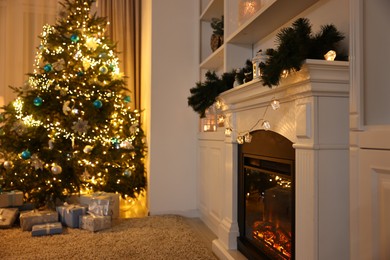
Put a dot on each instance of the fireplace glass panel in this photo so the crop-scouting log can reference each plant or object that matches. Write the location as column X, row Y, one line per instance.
column 269, row 206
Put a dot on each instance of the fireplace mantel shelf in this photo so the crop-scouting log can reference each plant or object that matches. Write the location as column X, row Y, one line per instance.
column 312, row 79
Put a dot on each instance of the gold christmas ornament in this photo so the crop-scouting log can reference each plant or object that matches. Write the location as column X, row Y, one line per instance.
column 8, row 165
column 88, row 149
column 56, row 169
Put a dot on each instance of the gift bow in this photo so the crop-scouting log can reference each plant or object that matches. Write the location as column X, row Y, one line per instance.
column 1, row 215
column 48, row 227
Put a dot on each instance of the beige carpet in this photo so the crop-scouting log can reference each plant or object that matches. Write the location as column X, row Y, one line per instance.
column 154, row 237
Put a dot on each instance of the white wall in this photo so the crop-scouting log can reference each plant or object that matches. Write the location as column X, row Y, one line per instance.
column 376, row 42
column 169, row 67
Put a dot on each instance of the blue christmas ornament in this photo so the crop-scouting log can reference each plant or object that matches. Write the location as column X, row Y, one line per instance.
column 80, row 73
column 74, row 38
column 48, row 67
column 103, row 69
column 114, row 141
column 38, row 101
column 127, row 99
column 97, row 103
column 26, row 154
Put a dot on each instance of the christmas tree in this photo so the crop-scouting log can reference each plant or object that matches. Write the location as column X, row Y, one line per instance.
column 71, row 127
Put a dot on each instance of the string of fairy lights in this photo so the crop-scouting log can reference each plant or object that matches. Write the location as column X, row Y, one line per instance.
column 245, row 136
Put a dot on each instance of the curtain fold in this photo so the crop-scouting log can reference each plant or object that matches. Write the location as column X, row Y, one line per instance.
column 21, row 23
column 124, row 30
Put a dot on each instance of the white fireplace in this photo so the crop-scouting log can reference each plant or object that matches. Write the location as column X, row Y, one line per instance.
column 314, row 116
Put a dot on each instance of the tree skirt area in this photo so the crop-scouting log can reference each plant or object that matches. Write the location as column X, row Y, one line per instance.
column 154, row 237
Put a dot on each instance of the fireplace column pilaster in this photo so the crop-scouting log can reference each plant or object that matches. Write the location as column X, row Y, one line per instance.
column 228, row 230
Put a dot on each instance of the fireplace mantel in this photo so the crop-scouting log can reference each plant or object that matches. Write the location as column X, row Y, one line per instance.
column 313, row 77
column 314, row 115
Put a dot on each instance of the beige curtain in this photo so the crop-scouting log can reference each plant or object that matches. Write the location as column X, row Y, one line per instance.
column 21, row 23
column 124, row 29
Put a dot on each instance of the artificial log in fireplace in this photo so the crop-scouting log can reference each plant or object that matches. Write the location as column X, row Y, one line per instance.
column 266, row 197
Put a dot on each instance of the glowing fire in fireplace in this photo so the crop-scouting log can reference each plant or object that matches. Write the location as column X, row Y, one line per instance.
column 273, row 238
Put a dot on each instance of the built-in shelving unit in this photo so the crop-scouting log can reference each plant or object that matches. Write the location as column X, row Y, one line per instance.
column 240, row 37
column 213, row 9
column 271, row 15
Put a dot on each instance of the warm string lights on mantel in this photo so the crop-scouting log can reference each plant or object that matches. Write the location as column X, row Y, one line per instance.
column 245, row 136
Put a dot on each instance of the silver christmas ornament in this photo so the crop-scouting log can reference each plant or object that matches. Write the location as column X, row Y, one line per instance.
column 126, row 145
column 51, row 144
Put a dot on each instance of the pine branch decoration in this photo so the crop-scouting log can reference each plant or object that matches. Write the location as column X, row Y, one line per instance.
column 205, row 93
column 295, row 45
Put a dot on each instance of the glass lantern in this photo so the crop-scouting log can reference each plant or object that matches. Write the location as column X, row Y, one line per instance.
column 260, row 57
column 210, row 121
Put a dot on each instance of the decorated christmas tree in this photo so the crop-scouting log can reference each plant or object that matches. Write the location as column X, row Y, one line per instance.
column 71, row 128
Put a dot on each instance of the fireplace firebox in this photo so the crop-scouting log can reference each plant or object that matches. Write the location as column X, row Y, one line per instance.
column 266, row 197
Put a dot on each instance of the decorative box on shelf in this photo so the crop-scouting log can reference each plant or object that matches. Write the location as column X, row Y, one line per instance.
column 11, row 199
column 46, row 229
column 30, row 218
column 8, row 217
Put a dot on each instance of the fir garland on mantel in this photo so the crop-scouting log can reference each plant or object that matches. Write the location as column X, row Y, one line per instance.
column 205, row 94
column 295, row 44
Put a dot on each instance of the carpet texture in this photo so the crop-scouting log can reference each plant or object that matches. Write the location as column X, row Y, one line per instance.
column 154, row 237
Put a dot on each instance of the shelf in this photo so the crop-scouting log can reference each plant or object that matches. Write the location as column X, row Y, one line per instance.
column 269, row 18
column 213, row 10
column 214, row 61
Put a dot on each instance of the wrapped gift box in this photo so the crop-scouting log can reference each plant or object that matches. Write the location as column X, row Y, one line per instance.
column 70, row 214
column 25, row 207
column 11, row 199
column 31, row 218
column 95, row 223
column 8, row 217
column 100, row 207
column 101, row 203
column 47, row 229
